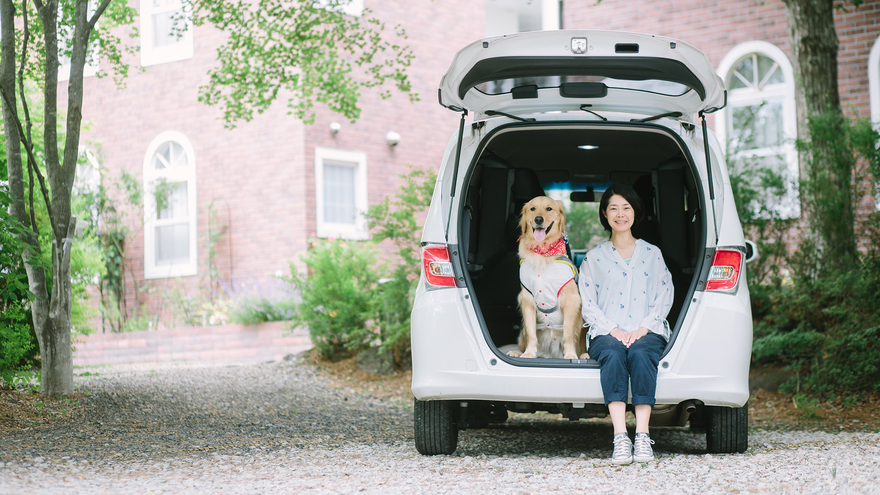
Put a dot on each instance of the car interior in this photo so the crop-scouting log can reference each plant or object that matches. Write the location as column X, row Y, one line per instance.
column 518, row 163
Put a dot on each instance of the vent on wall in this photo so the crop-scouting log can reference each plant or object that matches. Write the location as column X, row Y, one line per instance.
column 626, row 48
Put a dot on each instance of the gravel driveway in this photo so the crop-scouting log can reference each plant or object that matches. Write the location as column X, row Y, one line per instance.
column 279, row 428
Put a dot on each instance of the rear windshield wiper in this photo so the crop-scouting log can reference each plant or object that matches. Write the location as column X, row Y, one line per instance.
column 584, row 108
column 509, row 116
column 674, row 115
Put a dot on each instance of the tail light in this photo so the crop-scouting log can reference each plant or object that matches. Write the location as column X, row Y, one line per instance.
column 725, row 271
column 438, row 267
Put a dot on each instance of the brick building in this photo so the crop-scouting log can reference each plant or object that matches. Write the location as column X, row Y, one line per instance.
column 269, row 185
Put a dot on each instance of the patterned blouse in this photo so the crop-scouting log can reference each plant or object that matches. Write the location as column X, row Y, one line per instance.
column 627, row 296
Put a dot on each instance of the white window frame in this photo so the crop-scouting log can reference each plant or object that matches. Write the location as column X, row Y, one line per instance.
column 91, row 67
column 502, row 16
column 358, row 160
column 182, row 50
column 874, row 92
column 187, row 174
column 789, row 111
column 354, row 8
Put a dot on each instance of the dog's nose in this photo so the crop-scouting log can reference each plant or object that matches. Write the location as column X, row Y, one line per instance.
column 539, row 220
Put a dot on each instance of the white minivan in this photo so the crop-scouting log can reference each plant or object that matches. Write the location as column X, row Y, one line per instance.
column 575, row 111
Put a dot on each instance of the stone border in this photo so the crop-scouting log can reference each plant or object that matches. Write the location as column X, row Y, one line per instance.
column 237, row 343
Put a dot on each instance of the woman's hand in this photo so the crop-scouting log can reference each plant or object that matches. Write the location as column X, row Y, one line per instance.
column 627, row 338
column 620, row 335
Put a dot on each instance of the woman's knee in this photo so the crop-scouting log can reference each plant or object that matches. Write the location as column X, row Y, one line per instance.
column 645, row 353
column 607, row 349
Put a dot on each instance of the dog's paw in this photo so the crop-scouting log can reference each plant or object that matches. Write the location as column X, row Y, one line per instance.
column 585, row 355
column 529, row 354
column 514, row 353
column 570, row 355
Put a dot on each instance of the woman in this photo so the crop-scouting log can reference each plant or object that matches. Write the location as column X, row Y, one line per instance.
column 627, row 292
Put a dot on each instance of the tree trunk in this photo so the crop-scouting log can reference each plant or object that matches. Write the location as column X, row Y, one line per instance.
column 55, row 350
column 51, row 313
column 827, row 191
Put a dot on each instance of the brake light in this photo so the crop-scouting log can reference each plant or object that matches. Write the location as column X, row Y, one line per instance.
column 725, row 270
column 438, row 267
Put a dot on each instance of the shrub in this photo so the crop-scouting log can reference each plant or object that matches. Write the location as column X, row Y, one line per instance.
column 396, row 219
column 17, row 342
column 337, row 295
column 262, row 304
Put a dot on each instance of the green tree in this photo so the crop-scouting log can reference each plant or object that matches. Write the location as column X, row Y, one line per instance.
column 828, row 163
column 298, row 47
column 305, row 50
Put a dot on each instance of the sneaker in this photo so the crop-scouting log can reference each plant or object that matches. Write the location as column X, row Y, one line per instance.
column 622, row 454
column 643, row 450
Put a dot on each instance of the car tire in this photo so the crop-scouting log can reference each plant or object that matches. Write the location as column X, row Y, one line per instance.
column 727, row 430
column 435, row 427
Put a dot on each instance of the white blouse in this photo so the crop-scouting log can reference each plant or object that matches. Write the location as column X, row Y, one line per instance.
column 627, row 296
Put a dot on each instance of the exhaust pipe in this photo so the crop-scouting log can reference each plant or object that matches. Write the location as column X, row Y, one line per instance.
column 685, row 409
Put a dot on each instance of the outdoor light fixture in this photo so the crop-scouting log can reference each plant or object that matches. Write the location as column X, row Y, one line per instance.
column 392, row 138
column 335, row 127
column 588, row 147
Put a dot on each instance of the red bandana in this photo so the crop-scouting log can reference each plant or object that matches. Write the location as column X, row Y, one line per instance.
column 555, row 249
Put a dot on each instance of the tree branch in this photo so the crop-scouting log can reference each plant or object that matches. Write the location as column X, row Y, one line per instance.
column 98, row 13
column 24, row 47
column 31, row 158
column 27, row 115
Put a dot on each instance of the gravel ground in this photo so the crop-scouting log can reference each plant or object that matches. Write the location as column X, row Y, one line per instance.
column 280, row 428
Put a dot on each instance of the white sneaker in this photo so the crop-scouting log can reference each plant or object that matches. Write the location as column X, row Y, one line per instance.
column 643, row 450
column 622, row 454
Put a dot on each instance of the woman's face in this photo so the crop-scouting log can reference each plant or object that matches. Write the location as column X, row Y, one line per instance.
column 620, row 214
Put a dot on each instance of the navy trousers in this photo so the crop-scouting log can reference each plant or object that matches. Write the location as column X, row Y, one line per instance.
column 620, row 365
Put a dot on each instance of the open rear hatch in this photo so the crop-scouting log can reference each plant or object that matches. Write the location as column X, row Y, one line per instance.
column 574, row 69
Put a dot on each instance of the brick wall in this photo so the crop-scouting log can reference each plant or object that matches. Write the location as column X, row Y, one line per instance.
column 716, row 27
column 436, row 30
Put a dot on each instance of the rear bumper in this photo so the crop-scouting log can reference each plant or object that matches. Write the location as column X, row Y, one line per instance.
column 452, row 360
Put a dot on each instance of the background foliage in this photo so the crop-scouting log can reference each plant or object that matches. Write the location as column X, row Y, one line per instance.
column 817, row 310
column 349, row 298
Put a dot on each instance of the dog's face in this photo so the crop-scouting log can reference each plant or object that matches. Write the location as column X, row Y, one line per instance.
column 542, row 221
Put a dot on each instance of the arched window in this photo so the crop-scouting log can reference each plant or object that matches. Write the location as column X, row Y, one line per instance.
column 759, row 125
column 169, row 207
column 874, row 90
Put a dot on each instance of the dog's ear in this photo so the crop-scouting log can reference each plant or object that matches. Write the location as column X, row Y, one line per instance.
column 523, row 225
column 561, row 208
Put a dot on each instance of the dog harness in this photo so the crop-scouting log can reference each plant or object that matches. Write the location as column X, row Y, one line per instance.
column 546, row 286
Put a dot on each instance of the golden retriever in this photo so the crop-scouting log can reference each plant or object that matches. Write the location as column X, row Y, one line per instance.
column 549, row 299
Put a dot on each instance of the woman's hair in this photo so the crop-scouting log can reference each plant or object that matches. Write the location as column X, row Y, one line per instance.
column 626, row 193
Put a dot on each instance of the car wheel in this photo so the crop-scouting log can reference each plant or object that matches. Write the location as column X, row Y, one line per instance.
column 435, row 428
column 727, row 430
